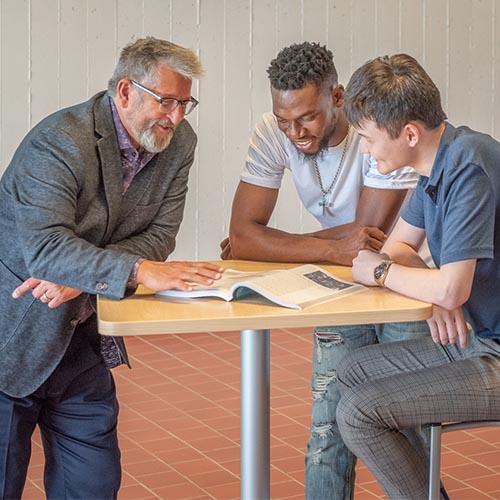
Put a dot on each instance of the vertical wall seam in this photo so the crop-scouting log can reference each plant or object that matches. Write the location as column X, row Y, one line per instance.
column 400, row 25
column 197, row 166
column 87, row 55
column 447, row 57
column 2, row 150
column 493, row 68
column 424, row 29
column 30, row 69
column 58, row 53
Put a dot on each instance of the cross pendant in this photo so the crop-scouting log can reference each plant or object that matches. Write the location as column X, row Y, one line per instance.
column 324, row 205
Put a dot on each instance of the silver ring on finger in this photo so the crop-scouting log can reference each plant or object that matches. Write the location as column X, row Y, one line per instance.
column 46, row 297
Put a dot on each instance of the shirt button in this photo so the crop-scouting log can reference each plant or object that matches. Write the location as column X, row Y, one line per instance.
column 74, row 322
column 101, row 286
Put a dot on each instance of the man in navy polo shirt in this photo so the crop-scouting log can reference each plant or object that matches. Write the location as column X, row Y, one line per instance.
column 453, row 375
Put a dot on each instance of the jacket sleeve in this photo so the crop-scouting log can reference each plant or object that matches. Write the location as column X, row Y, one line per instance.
column 45, row 193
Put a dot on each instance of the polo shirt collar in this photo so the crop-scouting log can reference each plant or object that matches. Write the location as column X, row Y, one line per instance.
column 439, row 164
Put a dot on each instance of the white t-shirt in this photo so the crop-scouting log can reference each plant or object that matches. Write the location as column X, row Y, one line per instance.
column 271, row 152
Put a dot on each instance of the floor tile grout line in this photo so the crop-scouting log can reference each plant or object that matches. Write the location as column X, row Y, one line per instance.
column 237, row 444
column 203, row 453
column 292, row 441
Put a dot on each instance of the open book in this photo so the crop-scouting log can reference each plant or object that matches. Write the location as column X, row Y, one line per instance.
column 295, row 288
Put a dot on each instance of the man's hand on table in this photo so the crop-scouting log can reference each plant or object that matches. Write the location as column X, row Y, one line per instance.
column 178, row 275
column 47, row 292
column 363, row 266
column 347, row 241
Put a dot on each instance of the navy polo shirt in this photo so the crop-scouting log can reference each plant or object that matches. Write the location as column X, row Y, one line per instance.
column 459, row 208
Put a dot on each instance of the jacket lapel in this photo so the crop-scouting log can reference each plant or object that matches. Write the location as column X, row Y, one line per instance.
column 138, row 187
column 109, row 154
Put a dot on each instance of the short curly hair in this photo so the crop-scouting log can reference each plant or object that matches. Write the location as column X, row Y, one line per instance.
column 301, row 64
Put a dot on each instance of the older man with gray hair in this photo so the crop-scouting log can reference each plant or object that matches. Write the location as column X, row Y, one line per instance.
column 90, row 204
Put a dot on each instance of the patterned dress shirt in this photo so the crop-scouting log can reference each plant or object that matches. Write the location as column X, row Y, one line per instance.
column 133, row 161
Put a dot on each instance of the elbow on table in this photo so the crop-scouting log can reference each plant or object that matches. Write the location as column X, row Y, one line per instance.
column 240, row 245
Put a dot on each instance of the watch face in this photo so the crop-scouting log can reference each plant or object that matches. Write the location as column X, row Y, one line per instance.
column 378, row 272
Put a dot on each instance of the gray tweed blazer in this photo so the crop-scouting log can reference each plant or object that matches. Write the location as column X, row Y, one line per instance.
column 63, row 218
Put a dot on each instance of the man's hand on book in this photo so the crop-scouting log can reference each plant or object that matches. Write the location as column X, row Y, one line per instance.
column 47, row 292
column 177, row 275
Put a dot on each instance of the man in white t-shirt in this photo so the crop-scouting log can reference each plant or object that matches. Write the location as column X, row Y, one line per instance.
column 308, row 134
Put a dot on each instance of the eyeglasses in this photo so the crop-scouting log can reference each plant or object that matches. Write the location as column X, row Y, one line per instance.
column 168, row 104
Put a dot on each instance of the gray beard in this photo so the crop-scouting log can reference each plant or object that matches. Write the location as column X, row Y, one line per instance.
column 152, row 144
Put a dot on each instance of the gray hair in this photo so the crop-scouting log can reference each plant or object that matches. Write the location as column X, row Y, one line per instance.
column 391, row 91
column 140, row 60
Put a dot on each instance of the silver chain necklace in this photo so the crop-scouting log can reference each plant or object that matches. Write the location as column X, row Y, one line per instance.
column 324, row 204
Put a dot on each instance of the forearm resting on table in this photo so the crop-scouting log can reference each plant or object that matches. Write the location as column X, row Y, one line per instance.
column 448, row 287
column 260, row 242
column 335, row 233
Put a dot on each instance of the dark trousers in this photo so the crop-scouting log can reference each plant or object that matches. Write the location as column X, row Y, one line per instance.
column 76, row 410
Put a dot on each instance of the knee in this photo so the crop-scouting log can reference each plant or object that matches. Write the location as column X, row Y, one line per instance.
column 345, row 414
column 347, row 371
column 353, row 414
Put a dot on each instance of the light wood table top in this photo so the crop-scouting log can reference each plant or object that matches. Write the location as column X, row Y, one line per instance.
column 147, row 314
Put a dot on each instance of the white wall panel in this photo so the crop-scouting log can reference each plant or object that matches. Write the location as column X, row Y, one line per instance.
column 435, row 58
column 55, row 53
column 211, row 143
column 459, row 57
column 411, row 35
column 288, row 213
column 263, row 47
column 44, row 80
column 101, row 43
column 481, row 52
column 340, row 36
column 157, row 18
column 73, row 61
column 185, row 26
column 237, row 96
column 15, row 68
column 387, row 26
column 364, row 33
column 129, row 22
column 495, row 21
column 315, row 21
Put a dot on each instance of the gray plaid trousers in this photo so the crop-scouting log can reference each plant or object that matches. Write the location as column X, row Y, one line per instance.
column 391, row 389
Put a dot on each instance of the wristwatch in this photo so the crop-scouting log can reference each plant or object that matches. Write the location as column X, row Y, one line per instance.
column 381, row 271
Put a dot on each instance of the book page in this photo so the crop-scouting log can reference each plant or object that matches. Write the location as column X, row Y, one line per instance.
column 222, row 288
column 301, row 286
column 295, row 288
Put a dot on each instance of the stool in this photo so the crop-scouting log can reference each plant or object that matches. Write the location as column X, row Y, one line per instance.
column 435, row 449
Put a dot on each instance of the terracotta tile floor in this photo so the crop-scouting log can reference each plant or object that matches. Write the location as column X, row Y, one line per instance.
column 179, row 424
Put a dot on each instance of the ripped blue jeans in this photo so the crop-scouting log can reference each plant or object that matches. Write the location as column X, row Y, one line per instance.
column 329, row 463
